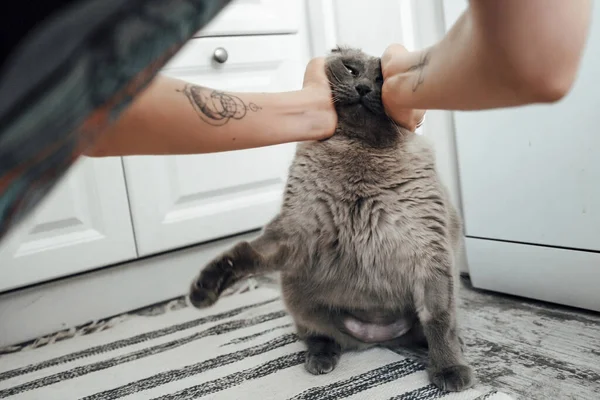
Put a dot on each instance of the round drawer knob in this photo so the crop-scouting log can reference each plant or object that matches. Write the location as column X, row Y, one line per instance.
column 220, row 55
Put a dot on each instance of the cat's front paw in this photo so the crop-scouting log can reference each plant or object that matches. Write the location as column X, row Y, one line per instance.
column 453, row 379
column 205, row 290
column 318, row 364
column 201, row 297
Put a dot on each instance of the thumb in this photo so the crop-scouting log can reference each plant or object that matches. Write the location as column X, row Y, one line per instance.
column 315, row 72
column 387, row 58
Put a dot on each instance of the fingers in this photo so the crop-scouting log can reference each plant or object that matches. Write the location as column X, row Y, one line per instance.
column 408, row 118
column 418, row 117
column 395, row 60
column 390, row 57
column 394, row 48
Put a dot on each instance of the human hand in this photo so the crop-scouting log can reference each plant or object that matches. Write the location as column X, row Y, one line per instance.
column 316, row 86
column 395, row 61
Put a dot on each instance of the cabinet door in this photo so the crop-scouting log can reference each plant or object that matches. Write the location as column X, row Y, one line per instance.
column 252, row 17
column 183, row 200
column 532, row 174
column 83, row 224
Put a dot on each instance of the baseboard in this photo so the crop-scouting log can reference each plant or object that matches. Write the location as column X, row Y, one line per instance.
column 561, row 276
column 47, row 308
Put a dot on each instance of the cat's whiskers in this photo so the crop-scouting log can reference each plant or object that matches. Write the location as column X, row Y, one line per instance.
column 335, row 76
column 344, row 91
column 335, row 97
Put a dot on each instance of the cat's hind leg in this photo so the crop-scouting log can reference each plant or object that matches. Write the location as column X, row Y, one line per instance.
column 436, row 309
column 323, row 352
column 262, row 255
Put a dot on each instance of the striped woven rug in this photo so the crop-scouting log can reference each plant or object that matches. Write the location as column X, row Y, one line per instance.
column 242, row 348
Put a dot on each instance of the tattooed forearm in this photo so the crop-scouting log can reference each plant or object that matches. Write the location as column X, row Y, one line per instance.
column 217, row 108
column 420, row 68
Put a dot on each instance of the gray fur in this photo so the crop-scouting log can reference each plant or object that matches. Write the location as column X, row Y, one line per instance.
column 366, row 232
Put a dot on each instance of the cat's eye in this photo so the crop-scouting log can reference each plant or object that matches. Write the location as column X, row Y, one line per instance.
column 351, row 70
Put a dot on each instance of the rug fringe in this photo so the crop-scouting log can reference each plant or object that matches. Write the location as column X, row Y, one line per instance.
column 90, row 327
column 247, row 285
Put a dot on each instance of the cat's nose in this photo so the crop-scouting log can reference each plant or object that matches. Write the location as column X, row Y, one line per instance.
column 363, row 89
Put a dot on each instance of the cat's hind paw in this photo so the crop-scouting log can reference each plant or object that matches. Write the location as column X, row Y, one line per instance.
column 322, row 356
column 453, row 379
column 319, row 364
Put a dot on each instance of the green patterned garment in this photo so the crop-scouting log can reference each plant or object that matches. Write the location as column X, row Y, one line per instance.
column 71, row 76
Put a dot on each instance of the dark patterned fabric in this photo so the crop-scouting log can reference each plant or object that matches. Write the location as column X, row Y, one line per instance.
column 70, row 76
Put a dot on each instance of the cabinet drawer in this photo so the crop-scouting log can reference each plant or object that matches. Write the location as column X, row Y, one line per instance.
column 182, row 200
column 83, row 224
column 253, row 53
column 252, row 17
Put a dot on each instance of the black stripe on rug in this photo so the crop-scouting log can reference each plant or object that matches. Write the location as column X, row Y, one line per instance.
column 190, row 370
column 429, row 392
column 77, row 372
column 487, row 396
column 362, row 382
column 235, row 379
column 243, row 339
column 119, row 344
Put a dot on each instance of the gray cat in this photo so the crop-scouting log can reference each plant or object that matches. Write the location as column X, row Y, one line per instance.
column 365, row 239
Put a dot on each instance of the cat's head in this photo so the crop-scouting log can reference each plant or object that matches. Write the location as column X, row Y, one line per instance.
column 356, row 80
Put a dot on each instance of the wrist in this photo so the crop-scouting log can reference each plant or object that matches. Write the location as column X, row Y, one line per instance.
column 404, row 75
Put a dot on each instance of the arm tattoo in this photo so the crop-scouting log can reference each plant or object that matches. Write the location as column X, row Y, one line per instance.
column 423, row 62
column 216, row 108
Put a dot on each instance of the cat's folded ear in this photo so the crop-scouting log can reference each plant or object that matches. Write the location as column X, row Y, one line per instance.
column 339, row 49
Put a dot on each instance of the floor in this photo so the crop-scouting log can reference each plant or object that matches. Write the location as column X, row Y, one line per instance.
column 528, row 349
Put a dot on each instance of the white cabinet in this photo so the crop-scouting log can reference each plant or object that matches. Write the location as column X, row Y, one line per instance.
column 530, row 180
column 252, row 17
column 183, row 200
column 83, row 224
column 532, row 174
column 107, row 211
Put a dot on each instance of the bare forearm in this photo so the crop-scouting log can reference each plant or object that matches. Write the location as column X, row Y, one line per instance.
column 498, row 54
column 175, row 117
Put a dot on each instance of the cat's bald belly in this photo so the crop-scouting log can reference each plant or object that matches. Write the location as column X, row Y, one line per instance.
column 376, row 333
